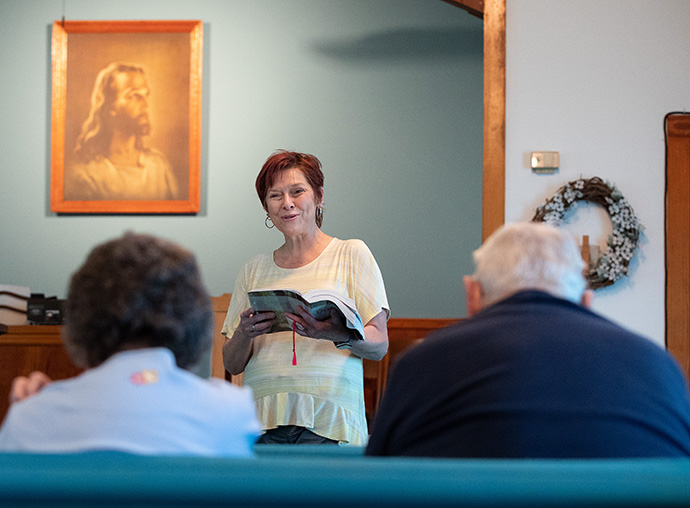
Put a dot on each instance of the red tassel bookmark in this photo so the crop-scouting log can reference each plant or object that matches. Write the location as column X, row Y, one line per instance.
column 294, row 353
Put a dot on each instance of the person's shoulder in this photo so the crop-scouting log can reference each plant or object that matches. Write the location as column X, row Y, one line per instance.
column 226, row 387
column 630, row 340
column 224, row 392
column 233, row 409
column 211, row 389
column 449, row 335
column 257, row 261
column 536, row 305
column 223, row 405
column 438, row 343
column 352, row 245
column 585, row 323
column 261, row 257
column 585, row 318
column 52, row 396
column 351, row 242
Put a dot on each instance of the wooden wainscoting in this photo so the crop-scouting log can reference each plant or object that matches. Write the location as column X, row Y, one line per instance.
column 402, row 333
column 220, row 309
column 24, row 349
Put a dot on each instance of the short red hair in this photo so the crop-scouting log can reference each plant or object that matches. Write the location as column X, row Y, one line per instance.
column 283, row 160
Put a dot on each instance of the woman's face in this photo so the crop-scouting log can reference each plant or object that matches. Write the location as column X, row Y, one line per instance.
column 291, row 203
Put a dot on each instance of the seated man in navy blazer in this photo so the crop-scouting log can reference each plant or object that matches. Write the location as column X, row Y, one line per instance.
column 532, row 372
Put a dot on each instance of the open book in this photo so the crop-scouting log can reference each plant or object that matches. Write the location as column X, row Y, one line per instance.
column 318, row 302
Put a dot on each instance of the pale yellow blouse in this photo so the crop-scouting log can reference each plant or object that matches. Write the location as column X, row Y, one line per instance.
column 324, row 392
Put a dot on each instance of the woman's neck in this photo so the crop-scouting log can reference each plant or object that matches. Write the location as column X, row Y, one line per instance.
column 301, row 250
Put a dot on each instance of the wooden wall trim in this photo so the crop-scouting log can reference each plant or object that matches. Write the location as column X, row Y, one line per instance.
column 474, row 7
column 22, row 335
column 493, row 185
column 677, row 238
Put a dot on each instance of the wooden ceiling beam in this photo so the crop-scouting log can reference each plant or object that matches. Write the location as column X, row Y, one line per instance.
column 474, row 7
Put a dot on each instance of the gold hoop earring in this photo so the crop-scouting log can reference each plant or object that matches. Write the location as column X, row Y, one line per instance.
column 268, row 222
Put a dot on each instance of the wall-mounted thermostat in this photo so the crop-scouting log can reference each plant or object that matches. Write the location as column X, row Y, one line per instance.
column 544, row 162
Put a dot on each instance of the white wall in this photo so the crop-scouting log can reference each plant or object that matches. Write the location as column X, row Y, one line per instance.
column 593, row 80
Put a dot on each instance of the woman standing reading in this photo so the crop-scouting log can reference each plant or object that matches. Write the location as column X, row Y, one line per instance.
column 320, row 397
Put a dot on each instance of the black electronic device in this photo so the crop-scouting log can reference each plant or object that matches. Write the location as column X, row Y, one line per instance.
column 44, row 311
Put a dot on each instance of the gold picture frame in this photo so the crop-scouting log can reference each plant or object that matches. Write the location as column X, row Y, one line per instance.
column 126, row 117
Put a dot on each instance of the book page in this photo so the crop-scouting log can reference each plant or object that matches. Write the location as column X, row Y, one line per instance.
column 281, row 301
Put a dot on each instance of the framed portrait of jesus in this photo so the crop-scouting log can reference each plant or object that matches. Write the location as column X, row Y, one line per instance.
column 126, row 117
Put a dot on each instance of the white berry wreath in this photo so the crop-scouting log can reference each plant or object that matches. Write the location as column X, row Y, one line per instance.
column 622, row 243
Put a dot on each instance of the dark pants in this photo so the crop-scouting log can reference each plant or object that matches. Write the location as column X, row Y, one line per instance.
column 292, row 434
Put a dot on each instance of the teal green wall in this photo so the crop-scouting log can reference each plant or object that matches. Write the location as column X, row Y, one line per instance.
column 387, row 93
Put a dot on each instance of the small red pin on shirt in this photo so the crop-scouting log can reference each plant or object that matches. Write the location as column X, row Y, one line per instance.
column 145, row 377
